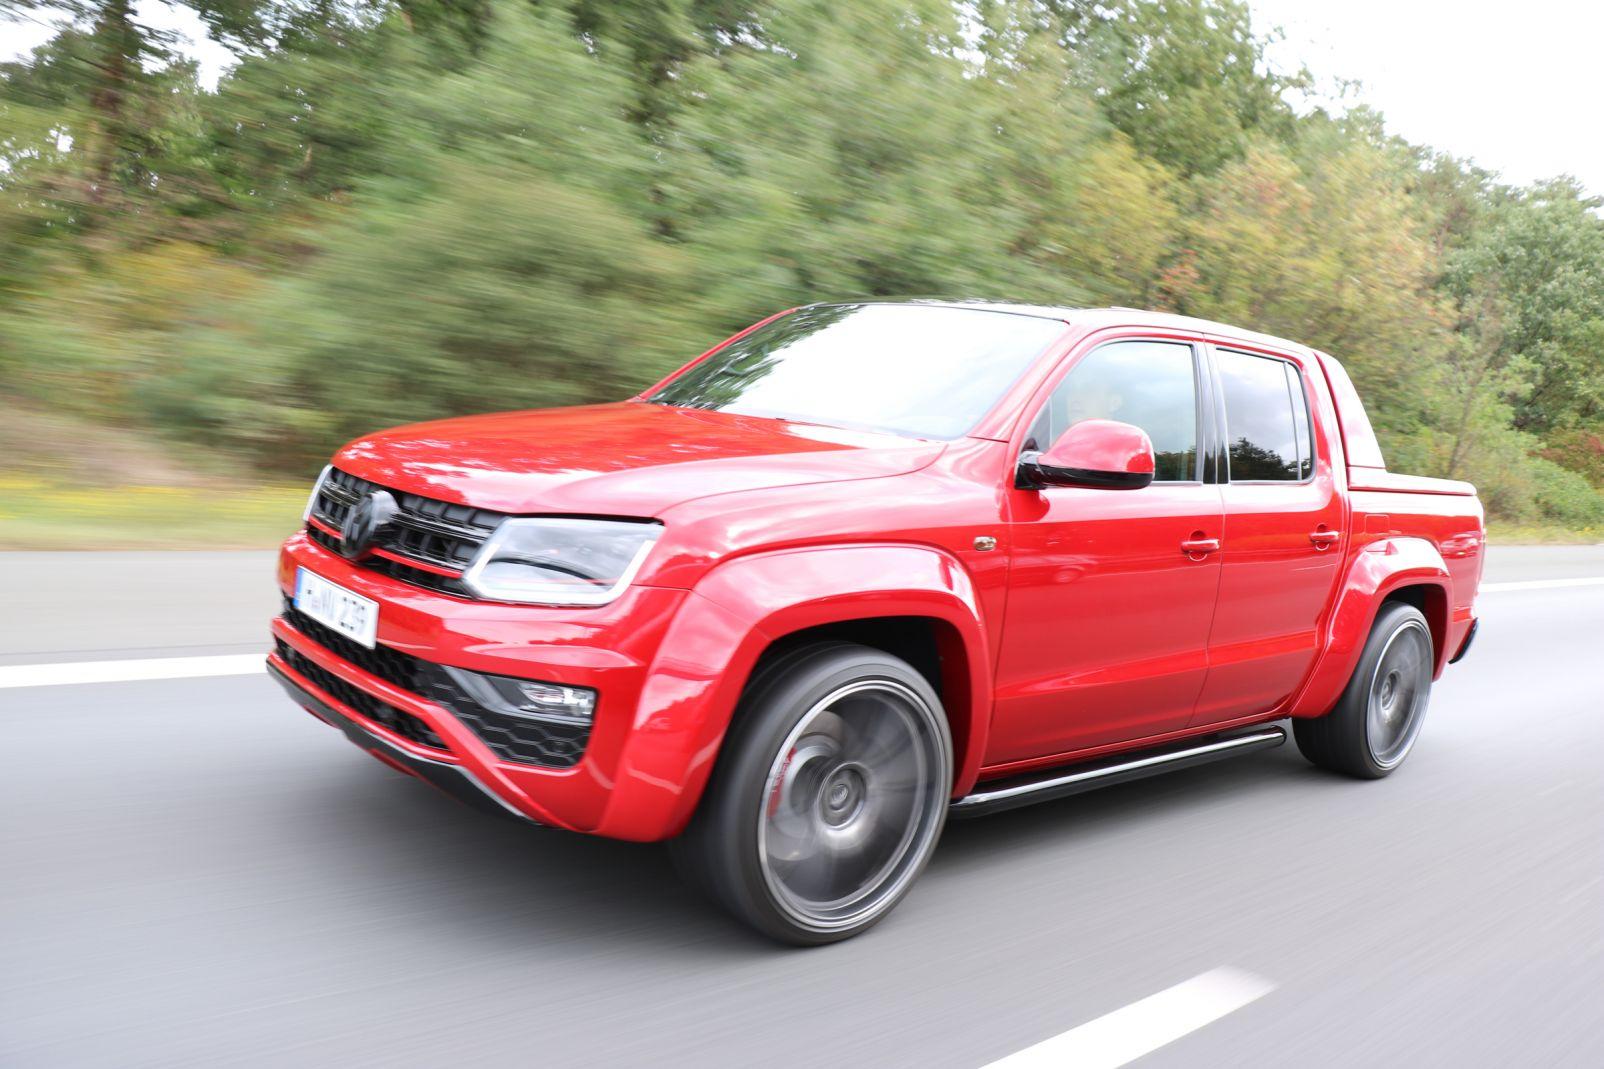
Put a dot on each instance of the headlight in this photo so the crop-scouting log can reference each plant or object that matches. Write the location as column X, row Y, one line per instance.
column 317, row 488
column 558, row 561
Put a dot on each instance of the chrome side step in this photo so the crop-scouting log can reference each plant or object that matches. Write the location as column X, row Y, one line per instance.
column 1057, row 783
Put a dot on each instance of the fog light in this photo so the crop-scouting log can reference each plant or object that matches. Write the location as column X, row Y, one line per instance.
column 527, row 697
column 552, row 699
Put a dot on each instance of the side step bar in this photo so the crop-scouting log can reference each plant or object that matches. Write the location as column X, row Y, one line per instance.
column 1057, row 783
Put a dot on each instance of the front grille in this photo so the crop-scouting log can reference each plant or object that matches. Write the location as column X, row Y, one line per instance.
column 443, row 584
column 427, row 530
column 403, row 723
column 549, row 744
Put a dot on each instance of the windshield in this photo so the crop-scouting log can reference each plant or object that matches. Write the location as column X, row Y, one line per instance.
column 925, row 371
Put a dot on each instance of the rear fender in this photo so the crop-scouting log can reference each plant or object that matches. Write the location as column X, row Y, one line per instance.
column 736, row 612
column 1375, row 571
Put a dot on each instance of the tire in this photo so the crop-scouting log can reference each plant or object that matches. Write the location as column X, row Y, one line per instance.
column 828, row 798
column 1378, row 718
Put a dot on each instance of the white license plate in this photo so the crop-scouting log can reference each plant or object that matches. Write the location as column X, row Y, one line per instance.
column 333, row 606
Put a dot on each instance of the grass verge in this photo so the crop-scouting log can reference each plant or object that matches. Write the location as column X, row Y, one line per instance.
column 40, row 514
column 1528, row 534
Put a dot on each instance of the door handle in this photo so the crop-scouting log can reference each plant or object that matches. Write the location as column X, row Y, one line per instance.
column 1324, row 538
column 1196, row 546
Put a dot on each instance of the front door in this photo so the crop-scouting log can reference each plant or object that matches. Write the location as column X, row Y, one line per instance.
column 1281, row 546
column 1106, row 630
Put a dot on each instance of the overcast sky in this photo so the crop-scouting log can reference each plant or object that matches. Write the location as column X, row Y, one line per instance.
column 26, row 31
column 1516, row 87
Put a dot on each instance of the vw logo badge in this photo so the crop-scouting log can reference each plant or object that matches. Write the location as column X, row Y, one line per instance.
column 367, row 518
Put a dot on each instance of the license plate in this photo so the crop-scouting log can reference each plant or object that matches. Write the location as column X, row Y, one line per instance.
column 350, row 614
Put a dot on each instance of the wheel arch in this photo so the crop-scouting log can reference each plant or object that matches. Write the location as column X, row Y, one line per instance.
column 917, row 602
column 1409, row 570
column 932, row 645
column 1432, row 601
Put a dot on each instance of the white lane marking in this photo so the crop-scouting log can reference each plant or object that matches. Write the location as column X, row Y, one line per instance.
column 1542, row 584
column 1142, row 1027
column 69, row 673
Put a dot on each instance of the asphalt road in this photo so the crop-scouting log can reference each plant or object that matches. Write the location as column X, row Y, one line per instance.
column 193, row 872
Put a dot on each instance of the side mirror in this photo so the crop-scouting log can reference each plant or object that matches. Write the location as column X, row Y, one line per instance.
column 1101, row 453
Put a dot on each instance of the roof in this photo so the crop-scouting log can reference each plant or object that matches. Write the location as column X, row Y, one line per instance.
column 1114, row 316
column 1040, row 311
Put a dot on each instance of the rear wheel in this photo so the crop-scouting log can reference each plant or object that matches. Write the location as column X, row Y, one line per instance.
column 1379, row 716
column 829, row 796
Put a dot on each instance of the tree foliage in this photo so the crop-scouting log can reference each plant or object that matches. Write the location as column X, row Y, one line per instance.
column 396, row 209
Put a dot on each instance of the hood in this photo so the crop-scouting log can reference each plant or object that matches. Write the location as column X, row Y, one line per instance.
column 625, row 459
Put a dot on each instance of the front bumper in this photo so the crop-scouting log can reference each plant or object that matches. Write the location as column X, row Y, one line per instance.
column 449, row 776
column 610, row 649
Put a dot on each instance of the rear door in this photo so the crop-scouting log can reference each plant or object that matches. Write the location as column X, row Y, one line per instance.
column 1283, row 524
column 1107, row 621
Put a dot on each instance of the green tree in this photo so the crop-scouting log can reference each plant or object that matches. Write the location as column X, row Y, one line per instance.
column 544, row 286
column 1186, row 80
column 86, row 123
column 1331, row 251
column 856, row 153
column 1091, row 212
column 1538, row 266
column 658, row 37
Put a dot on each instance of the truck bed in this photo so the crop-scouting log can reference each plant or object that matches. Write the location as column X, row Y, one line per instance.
column 1391, row 482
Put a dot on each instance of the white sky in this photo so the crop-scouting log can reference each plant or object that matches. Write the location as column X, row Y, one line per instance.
column 1517, row 88
column 26, row 31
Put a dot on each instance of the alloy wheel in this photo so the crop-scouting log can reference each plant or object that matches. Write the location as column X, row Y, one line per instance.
column 853, row 801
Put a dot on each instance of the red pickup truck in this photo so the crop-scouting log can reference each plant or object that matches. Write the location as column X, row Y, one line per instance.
column 865, row 566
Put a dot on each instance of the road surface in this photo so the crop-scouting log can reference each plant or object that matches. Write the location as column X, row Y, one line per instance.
column 193, row 872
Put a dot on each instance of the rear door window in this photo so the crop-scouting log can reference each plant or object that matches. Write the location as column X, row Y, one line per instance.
column 1266, row 417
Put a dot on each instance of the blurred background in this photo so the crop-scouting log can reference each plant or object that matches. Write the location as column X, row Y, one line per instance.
column 234, row 233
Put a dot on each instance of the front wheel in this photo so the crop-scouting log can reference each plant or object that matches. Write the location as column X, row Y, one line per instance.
column 828, row 798
column 1377, row 719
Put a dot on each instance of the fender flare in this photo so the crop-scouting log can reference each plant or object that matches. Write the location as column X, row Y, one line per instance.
column 1373, row 573
column 735, row 612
